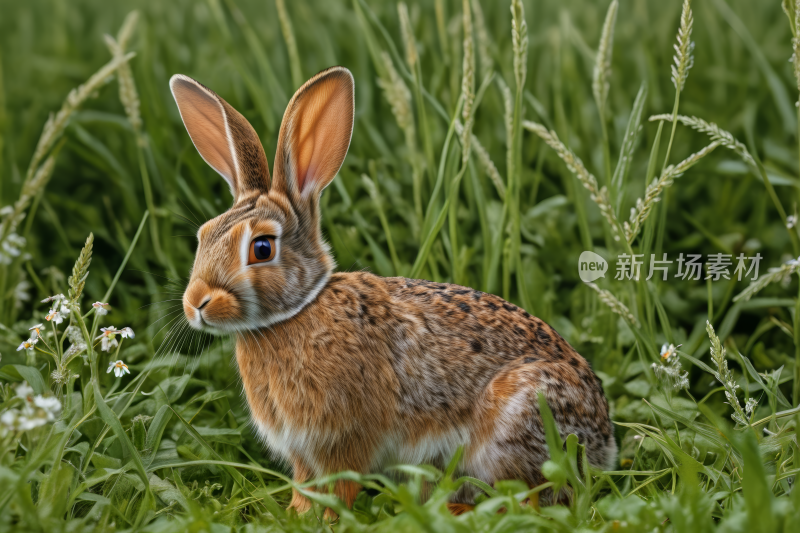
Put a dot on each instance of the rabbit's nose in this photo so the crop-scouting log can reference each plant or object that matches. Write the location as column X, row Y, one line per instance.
column 196, row 297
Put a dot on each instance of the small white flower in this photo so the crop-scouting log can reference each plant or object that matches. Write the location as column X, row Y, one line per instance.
column 100, row 308
column 668, row 351
column 108, row 343
column 9, row 418
column 51, row 406
column 110, row 331
column 56, row 298
column 127, row 333
column 791, row 221
column 28, row 344
column 24, row 391
column 108, row 338
column 36, row 331
column 118, row 367
column 54, row 316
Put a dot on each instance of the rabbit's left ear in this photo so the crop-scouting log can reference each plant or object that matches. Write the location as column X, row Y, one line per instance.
column 315, row 134
column 224, row 138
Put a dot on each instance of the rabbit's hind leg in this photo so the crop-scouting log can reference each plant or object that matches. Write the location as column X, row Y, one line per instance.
column 508, row 439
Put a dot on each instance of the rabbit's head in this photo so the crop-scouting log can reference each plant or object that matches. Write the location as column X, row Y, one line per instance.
column 264, row 259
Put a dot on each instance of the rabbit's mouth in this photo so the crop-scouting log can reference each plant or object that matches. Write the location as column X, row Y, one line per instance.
column 211, row 309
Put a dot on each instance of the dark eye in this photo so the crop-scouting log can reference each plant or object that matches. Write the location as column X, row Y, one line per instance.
column 262, row 249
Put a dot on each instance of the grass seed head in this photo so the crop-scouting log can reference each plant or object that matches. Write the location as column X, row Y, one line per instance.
column 602, row 64
column 684, row 48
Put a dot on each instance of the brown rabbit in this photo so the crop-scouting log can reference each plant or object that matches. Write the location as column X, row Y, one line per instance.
column 348, row 370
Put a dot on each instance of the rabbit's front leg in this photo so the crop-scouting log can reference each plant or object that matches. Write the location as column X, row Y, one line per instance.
column 300, row 474
column 345, row 490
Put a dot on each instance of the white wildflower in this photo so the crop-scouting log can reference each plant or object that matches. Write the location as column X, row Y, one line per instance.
column 100, row 308
column 108, row 338
column 55, row 316
column 791, row 221
column 28, row 344
column 127, row 333
column 11, row 248
column 21, row 293
column 669, row 372
column 56, row 298
column 49, row 405
column 669, row 351
column 35, row 411
column 24, row 391
column 36, row 331
column 118, row 367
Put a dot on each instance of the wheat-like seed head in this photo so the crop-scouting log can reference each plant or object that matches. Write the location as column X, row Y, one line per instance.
column 602, row 64
column 615, row 305
column 725, row 377
column 483, row 40
column 80, row 270
column 30, row 189
column 486, row 162
column 796, row 45
column 39, row 172
column 519, row 39
column 55, row 125
column 784, row 272
column 398, row 96
column 508, row 117
column 598, row 195
column 653, row 192
column 127, row 29
column 716, row 133
column 408, row 37
column 467, row 83
column 127, row 88
column 684, row 48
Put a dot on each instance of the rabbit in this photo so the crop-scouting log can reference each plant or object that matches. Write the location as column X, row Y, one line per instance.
column 349, row 370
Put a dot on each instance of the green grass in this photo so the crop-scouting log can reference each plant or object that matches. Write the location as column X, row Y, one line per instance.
column 169, row 447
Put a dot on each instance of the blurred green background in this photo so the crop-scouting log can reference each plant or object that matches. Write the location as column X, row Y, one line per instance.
column 742, row 80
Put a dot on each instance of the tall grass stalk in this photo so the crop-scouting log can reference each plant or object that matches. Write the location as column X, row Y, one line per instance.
column 467, row 115
column 683, row 62
column 129, row 97
column 291, row 44
column 601, row 80
column 519, row 41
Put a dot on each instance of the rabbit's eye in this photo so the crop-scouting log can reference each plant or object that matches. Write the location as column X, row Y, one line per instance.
column 262, row 249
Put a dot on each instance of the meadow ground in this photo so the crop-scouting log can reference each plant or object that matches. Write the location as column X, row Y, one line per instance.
column 494, row 143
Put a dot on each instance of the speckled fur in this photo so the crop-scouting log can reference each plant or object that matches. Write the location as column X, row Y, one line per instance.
column 362, row 372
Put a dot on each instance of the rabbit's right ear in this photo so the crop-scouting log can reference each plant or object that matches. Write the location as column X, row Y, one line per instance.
column 315, row 134
column 224, row 138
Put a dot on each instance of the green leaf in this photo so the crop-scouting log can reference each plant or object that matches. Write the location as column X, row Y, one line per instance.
column 24, row 373
column 110, row 418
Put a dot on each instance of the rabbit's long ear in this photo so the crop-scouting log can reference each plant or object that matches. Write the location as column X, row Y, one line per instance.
column 222, row 135
column 315, row 134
